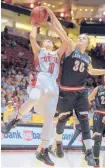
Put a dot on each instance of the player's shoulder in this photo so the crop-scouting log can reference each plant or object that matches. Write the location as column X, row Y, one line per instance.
column 42, row 51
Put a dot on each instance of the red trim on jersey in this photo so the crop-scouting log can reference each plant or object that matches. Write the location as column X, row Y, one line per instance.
column 33, row 79
column 67, row 88
column 33, row 75
column 36, row 64
column 100, row 111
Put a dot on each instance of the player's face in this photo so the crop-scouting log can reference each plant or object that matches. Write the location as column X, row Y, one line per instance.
column 48, row 44
column 82, row 41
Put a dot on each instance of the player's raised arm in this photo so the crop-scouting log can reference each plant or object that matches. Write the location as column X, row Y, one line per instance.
column 61, row 32
column 71, row 44
column 64, row 41
column 93, row 71
column 34, row 44
column 57, row 27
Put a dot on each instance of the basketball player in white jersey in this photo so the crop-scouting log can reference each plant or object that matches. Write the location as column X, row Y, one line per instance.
column 43, row 90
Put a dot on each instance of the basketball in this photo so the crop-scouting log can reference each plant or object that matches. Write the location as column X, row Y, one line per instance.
column 39, row 15
column 8, row 1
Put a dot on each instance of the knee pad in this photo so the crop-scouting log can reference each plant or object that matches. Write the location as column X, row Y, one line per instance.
column 34, row 93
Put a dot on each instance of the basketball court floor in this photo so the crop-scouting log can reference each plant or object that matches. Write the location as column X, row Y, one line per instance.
column 27, row 159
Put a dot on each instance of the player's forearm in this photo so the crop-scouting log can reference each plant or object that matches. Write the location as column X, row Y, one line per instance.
column 34, row 44
column 56, row 21
column 59, row 26
column 98, row 72
column 33, row 32
column 61, row 35
column 91, row 98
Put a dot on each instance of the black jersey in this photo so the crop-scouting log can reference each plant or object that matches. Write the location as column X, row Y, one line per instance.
column 75, row 69
column 100, row 98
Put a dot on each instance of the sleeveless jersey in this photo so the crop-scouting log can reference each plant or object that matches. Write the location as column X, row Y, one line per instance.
column 46, row 62
column 75, row 69
column 100, row 98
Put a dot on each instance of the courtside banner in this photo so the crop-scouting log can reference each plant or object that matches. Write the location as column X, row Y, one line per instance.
column 32, row 136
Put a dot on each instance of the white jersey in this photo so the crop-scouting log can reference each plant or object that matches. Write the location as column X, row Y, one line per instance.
column 48, row 62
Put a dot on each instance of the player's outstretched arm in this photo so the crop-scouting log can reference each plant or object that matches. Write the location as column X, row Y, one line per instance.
column 55, row 25
column 64, row 41
column 34, row 44
column 93, row 71
column 55, row 21
column 62, row 34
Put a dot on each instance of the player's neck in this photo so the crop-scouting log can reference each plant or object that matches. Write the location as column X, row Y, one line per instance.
column 48, row 50
column 81, row 50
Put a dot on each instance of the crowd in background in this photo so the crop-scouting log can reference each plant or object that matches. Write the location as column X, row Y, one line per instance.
column 16, row 64
column 98, row 51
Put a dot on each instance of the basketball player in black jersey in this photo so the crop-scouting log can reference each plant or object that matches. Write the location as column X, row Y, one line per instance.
column 73, row 95
column 99, row 118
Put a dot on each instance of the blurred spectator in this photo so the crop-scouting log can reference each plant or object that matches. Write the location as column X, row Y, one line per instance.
column 3, row 81
column 3, row 95
column 3, row 106
column 9, row 86
column 10, row 110
column 15, row 99
column 13, row 71
column 19, row 76
column 10, row 107
column 15, row 109
column 13, row 43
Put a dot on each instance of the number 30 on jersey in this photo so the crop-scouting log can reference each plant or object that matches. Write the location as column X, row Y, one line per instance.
column 79, row 66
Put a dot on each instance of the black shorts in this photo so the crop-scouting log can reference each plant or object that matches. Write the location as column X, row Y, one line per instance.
column 69, row 101
column 98, row 126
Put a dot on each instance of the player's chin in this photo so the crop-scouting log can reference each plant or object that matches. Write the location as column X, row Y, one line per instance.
column 79, row 44
column 49, row 48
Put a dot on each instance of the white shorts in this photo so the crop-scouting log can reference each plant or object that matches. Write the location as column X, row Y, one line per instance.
column 50, row 91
